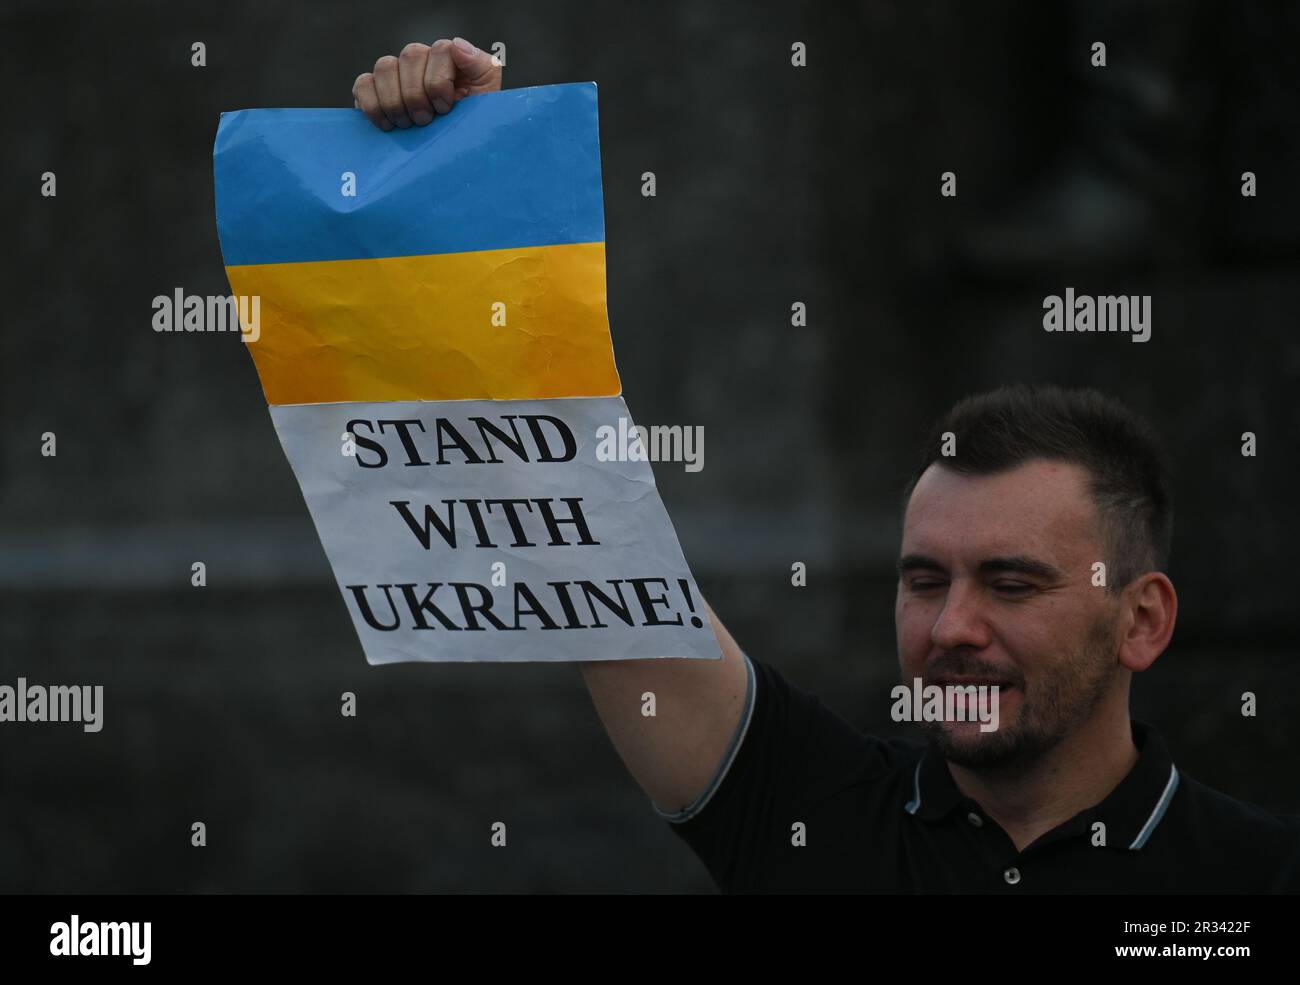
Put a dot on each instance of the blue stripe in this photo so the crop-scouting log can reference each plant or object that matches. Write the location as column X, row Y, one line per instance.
column 505, row 169
column 1162, row 805
column 915, row 803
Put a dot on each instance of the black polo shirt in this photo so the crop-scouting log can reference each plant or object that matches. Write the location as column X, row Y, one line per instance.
column 886, row 816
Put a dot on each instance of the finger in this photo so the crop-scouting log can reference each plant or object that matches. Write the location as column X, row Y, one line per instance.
column 439, row 74
column 410, row 71
column 388, row 85
column 476, row 70
column 366, row 99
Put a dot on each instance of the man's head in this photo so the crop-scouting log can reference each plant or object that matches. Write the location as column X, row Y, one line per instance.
column 1021, row 494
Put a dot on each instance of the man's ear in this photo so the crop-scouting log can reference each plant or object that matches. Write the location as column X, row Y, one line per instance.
column 1151, row 605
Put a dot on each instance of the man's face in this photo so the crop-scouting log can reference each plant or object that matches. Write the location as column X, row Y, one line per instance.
column 995, row 587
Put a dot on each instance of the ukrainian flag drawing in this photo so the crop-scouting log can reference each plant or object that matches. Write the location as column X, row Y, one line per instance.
column 435, row 350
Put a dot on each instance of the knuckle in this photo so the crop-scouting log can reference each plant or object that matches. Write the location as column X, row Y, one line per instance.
column 363, row 80
column 385, row 64
column 414, row 50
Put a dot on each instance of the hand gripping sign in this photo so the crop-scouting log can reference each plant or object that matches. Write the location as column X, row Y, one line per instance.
column 435, row 350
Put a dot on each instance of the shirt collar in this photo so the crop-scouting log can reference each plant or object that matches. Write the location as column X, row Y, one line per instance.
column 1131, row 812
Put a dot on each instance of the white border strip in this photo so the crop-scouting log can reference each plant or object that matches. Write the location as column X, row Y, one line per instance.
column 914, row 805
column 1161, row 806
column 697, row 805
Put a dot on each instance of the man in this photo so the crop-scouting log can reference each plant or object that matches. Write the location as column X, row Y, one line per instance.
column 1035, row 537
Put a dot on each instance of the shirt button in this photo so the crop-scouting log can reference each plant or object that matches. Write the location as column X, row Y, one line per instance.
column 1012, row 876
column 975, row 819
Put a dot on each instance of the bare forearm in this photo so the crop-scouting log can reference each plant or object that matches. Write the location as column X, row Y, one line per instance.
column 674, row 752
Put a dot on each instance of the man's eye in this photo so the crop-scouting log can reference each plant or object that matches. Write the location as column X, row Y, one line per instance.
column 925, row 586
column 1014, row 587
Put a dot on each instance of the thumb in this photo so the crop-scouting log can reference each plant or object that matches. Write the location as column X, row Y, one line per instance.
column 476, row 66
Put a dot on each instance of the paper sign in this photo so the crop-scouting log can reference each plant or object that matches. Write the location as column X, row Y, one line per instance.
column 435, row 350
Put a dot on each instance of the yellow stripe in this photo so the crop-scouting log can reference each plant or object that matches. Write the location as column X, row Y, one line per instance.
column 420, row 328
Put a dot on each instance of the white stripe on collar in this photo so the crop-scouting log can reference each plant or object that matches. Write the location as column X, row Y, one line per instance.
column 913, row 805
column 1159, row 812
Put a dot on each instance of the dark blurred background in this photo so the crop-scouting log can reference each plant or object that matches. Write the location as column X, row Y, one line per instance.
column 775, row 184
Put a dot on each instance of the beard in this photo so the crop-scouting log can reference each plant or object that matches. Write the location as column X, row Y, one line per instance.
column 1059, row 702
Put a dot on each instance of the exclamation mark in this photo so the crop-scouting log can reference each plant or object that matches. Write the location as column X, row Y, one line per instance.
column 696, row 621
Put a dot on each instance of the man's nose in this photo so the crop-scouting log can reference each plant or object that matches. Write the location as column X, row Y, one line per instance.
column 962, row 621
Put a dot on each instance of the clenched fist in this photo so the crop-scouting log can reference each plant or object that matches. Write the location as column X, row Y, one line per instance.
column 424, row 80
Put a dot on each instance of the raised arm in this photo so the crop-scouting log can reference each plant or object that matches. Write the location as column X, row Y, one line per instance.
column 698, row 703
column 675, row 753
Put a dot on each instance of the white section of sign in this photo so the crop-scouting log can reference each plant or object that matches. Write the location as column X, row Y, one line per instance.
column 439, row 492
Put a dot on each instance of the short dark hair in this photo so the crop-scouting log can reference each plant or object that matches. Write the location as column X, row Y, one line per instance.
column 1007, row 427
